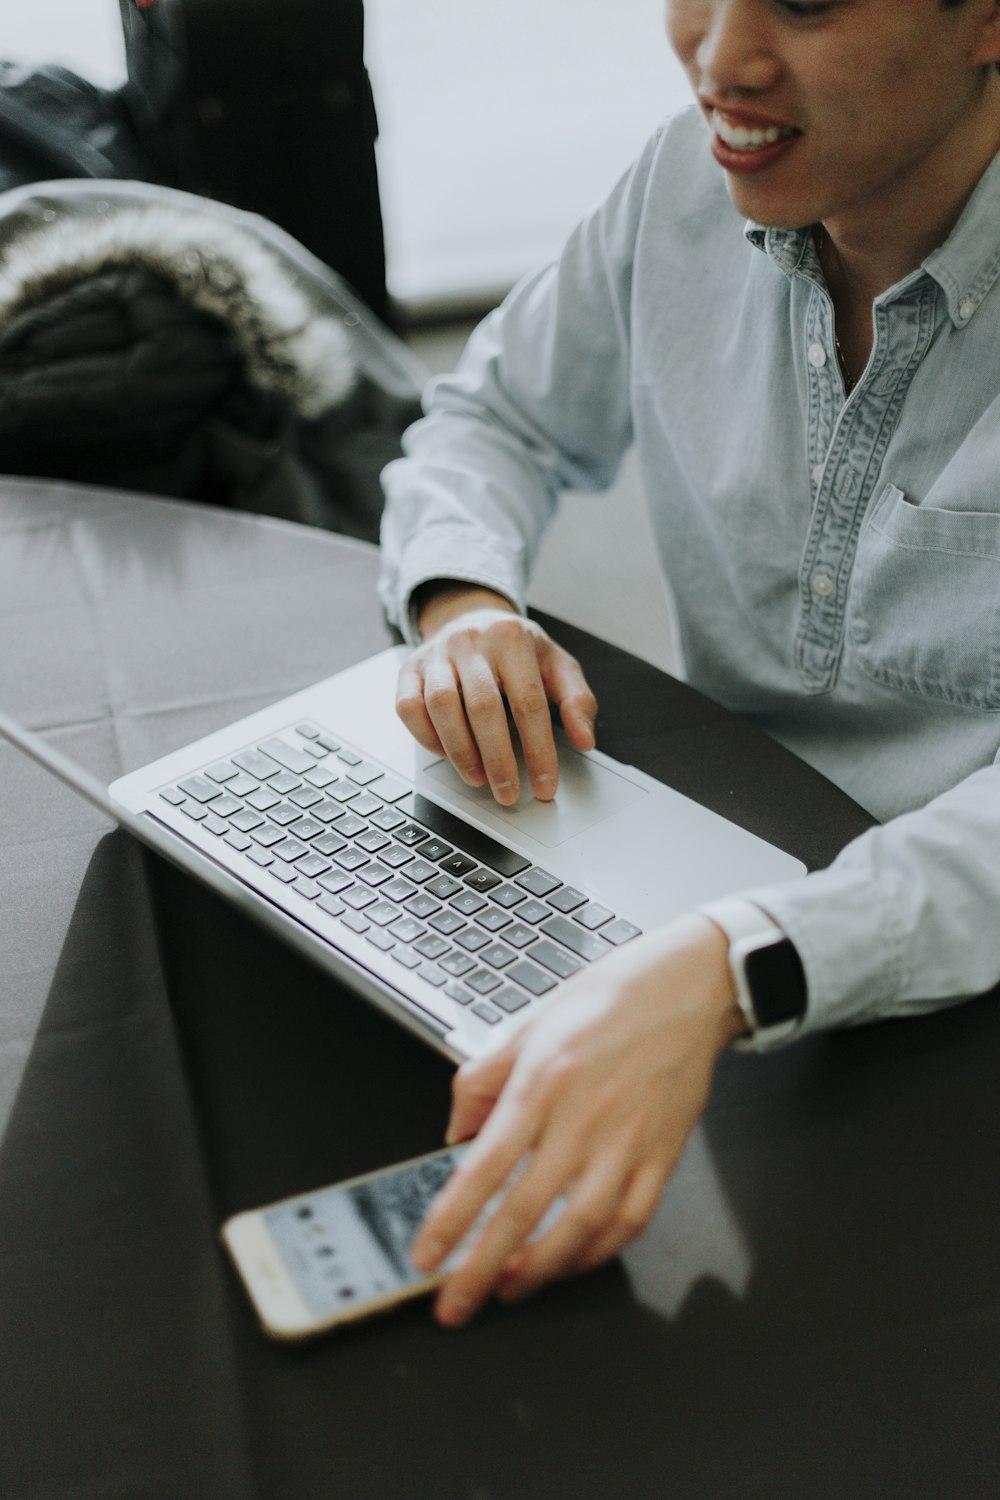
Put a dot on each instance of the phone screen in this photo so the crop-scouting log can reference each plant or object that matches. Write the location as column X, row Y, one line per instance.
column 349, row 1245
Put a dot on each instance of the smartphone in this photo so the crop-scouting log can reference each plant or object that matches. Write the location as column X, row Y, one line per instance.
column 321, row 1259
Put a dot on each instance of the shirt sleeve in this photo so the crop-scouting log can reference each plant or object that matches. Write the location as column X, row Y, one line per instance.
column 539, row 404
column 905, row 919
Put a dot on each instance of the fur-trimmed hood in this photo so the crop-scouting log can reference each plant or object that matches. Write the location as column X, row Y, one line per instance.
column 219, row 269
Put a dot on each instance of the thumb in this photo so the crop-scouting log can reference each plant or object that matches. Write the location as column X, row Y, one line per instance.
column 475, row 1089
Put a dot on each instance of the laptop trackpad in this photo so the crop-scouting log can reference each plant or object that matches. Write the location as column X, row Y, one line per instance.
column 589, row 792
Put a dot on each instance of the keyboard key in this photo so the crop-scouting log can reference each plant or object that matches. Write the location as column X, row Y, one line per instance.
column 284, row 783
column 373, row 840
column 215, row 825
column 349, row 825
column 379, row 939
column 396, row 856
column 398, row 889
column 447, row 922
column 199, row 788
column 531, row 977
column 432, row 974
column 538, row 882
column 423, row 905
column 263, row 799
column 243, row 785
column 335, row 882
column 419, row 870
column 482, row 880
column 305, row 797
column 282, row 873
column 366, row 804
column 331, row 906
column 443, row 886
column 620, row 932
column 581, row 942
column 510, row 999
column 327, row 812
column 567, row 899
column 457, row 864
column 350, row 858
column 321, row 776
column 519, row 936
column 194, row 810
column 506, row 895
column 431, row 946
column 357, row 897
column 256, row 764
column 389, row 789
column 407, row 958
column 497, row 955
column 483, row 981
column 225, row 806
column 555, row 958
column 343, row 791
column 327, row 741
column 388, row 819
column 364, row 772
column 224, row 771
column 457, row 964
column 468, row 903
column 349, row 757
column 383, row 912
column 486, row 1013
column 259, row 856
column 592, row 916
column 173, row 796
column 375, row 874
column 305, row 828
column 493, row 920
column 307, row 731
column 284, row 814
column 286, row 755
column 533, row 911
column 411, row 834
column 408, row 930
column 330, row 843
column 240, row 841
column 435, row 849
column 312, row 864
column 290, row 850
column 267, row 835
column 472, row 939
column 354, row 921
column 483, row 849
column 307, row 888
column 459, row 993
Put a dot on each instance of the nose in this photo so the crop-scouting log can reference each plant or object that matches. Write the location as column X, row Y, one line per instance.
column 734, row 54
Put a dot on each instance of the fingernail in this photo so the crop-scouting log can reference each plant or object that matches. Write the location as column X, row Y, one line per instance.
column 544, row 785
column 505, row 791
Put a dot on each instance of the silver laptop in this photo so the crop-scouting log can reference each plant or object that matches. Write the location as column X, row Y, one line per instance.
column 321, row 818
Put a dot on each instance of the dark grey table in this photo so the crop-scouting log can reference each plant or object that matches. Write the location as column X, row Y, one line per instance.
column 815, row 1312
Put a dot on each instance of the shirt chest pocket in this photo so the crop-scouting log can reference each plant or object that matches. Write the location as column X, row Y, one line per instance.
column 925, row 601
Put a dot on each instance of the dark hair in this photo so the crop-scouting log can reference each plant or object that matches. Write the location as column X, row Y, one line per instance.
column 950, row 5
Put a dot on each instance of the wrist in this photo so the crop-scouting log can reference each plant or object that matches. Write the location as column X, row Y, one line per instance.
column 440, row 601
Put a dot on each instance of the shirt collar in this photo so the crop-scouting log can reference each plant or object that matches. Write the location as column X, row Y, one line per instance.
column 965, row 266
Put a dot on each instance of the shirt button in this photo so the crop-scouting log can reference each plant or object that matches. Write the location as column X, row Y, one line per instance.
column 822, row 585
column 966, row 308
column 817, row 473
column 817, row 356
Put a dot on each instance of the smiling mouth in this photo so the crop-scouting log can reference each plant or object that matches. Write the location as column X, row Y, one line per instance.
column 749, row 138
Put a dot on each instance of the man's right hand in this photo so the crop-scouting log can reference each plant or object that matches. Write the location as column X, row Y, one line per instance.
column 478, row 652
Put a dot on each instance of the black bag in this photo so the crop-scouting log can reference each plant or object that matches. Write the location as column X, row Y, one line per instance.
column 54, row 124
column 265, row 104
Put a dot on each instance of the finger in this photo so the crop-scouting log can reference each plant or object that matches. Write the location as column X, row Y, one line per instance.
column 487, row 719
column 592, row 1206
column 635, row 1214
column 411, row 708
column 523, row 1206
column 447, row 714
column 522, row 682
column 567, row 688
column 475, row 1089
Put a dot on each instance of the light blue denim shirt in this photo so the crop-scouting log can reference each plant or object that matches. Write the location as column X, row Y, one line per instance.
column 835, row 562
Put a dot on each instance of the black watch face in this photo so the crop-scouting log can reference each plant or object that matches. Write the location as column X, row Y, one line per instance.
column 777, row 983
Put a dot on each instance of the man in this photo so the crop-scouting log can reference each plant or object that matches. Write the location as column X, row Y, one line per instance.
column 814, row 398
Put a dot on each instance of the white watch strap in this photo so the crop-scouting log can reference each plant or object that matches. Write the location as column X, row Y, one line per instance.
column 741, row 920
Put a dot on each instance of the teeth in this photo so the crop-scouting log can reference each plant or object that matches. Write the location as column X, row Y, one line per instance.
column 742, row 139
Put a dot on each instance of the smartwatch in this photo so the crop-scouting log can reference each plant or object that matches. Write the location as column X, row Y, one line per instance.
column 767, row 972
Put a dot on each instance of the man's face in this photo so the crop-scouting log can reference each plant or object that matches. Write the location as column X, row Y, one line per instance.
column 851, row 109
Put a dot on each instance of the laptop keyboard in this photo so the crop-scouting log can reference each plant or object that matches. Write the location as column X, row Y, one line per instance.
column 468, row 915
